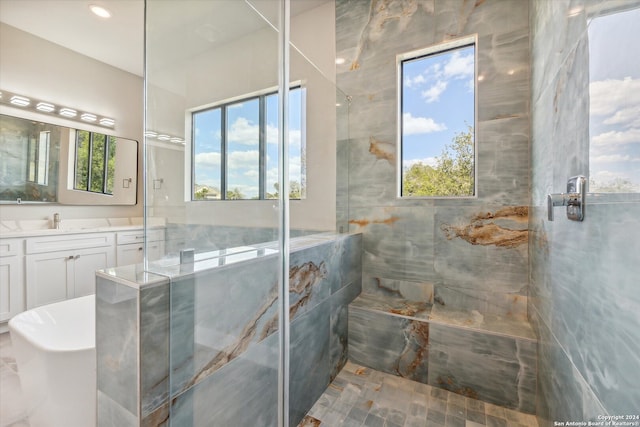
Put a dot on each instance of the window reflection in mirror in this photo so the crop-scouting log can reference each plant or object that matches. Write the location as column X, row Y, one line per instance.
column 29, row 160
column 614, row 106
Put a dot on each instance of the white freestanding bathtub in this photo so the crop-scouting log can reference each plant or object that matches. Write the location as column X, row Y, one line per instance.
column 55, row 351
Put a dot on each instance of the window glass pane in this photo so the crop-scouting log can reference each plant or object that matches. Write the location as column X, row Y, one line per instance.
column 271, row 182
column 438, row 110
column 43, row 158
column 614, row 103
column 207, row 174
column 111, row 164
column 82, row 160
column 296, row 145
column 96, row 183
column 243, row 137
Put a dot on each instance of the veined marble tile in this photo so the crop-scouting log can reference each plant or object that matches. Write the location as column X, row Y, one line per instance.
column 243, row 393
column 391, row 344
column 414, row 291
column 508, row 304
column 310, row 360
column 339, row 339
column 496, row 369
column 397, row 242
column 117, row 343
column 482, row 249
column 394, row 306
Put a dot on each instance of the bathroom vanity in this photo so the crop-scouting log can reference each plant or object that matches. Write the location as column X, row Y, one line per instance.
column 41, row 265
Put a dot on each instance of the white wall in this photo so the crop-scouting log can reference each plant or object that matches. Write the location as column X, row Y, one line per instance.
column 244, row 66
column 35, row 67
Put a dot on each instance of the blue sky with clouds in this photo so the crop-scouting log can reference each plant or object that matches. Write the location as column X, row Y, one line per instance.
column 437, row 103
column 614, row 89
column 243, row 144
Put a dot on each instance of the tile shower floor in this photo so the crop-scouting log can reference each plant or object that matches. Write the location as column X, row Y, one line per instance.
column 361, row 396
column 358, row 396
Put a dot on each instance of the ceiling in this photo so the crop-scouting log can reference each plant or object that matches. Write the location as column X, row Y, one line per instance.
column 119, row 40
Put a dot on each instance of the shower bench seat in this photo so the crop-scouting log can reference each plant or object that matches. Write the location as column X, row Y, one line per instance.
column 480, row 355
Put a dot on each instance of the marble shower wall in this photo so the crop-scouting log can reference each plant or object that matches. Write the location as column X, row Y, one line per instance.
column 218, row 326
column 467, row 253
column 584, row 299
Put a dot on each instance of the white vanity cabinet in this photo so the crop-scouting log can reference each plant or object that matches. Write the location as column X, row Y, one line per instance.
column 11, row 278
column 61, row 267
column 130, row 246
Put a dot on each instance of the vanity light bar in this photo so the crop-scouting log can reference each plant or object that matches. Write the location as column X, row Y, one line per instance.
column 42, row 106
column 163, row 137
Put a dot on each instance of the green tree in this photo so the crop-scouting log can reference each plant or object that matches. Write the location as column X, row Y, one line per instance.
column 235, row 194
column 295, row 191
column 452, row 174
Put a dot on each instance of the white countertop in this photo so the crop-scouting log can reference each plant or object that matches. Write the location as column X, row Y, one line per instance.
column 30, row 228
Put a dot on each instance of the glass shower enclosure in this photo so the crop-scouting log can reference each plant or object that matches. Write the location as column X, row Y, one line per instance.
column 241, row 135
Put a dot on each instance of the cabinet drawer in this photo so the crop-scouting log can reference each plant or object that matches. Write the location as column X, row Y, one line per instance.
column 137, row 236
column 10, row 247
column 36, row 245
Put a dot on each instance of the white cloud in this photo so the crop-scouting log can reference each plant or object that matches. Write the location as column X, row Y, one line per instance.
column 613, row 158
column 430, row 161
column 417, row 125
column 244, row 132
column 629, row 117
column 416, row 81
column 613, row 137
column 295, row 136
column 207, row 159
column 459, row 66
column 243, row 159
column 433, row 93
column 617, row 99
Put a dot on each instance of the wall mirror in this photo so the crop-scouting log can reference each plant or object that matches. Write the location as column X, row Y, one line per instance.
column 45, row 163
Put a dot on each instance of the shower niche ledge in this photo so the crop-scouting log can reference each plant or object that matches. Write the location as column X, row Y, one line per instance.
column 480, row 355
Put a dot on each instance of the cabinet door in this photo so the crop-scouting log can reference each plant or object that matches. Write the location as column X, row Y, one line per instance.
column 155, row 250
column 85, row 264
column 11, row 286
column 47, row 277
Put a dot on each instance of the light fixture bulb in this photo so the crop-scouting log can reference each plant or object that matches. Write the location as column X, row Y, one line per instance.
column 20, row 101
column 340, row 61
column 164, row 137
column 68, row 112
column 45, row 106
column 87, row 117
column 177, row 140
column 105, row 121
column 150, row 134
column 100, row 11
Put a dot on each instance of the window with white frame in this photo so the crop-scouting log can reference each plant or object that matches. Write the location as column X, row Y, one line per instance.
column 235, row 149
column 436, row 92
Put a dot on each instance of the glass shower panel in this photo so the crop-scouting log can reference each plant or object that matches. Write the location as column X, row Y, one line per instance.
column 210, row 65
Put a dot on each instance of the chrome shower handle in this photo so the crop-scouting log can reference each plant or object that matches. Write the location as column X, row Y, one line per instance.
column 573, row 199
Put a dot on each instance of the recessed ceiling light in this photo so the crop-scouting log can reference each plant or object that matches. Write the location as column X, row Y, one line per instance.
column 100, row 11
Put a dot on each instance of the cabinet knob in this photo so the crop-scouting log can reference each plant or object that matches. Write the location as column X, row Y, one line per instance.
column 76, row 257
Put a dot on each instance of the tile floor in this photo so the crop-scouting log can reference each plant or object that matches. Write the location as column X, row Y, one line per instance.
column 359, row 396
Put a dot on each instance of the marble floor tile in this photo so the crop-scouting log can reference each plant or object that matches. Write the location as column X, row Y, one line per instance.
column 374, row 399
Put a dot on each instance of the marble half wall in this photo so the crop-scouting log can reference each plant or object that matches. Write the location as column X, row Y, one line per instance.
column 470, row 253
column 219, row 328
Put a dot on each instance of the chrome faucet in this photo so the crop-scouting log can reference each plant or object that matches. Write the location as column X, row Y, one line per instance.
column 573, row 199
column 56, row 221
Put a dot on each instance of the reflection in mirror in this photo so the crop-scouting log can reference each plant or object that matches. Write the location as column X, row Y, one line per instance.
column 29, row 160
column 45, row 163
column 614, row 110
